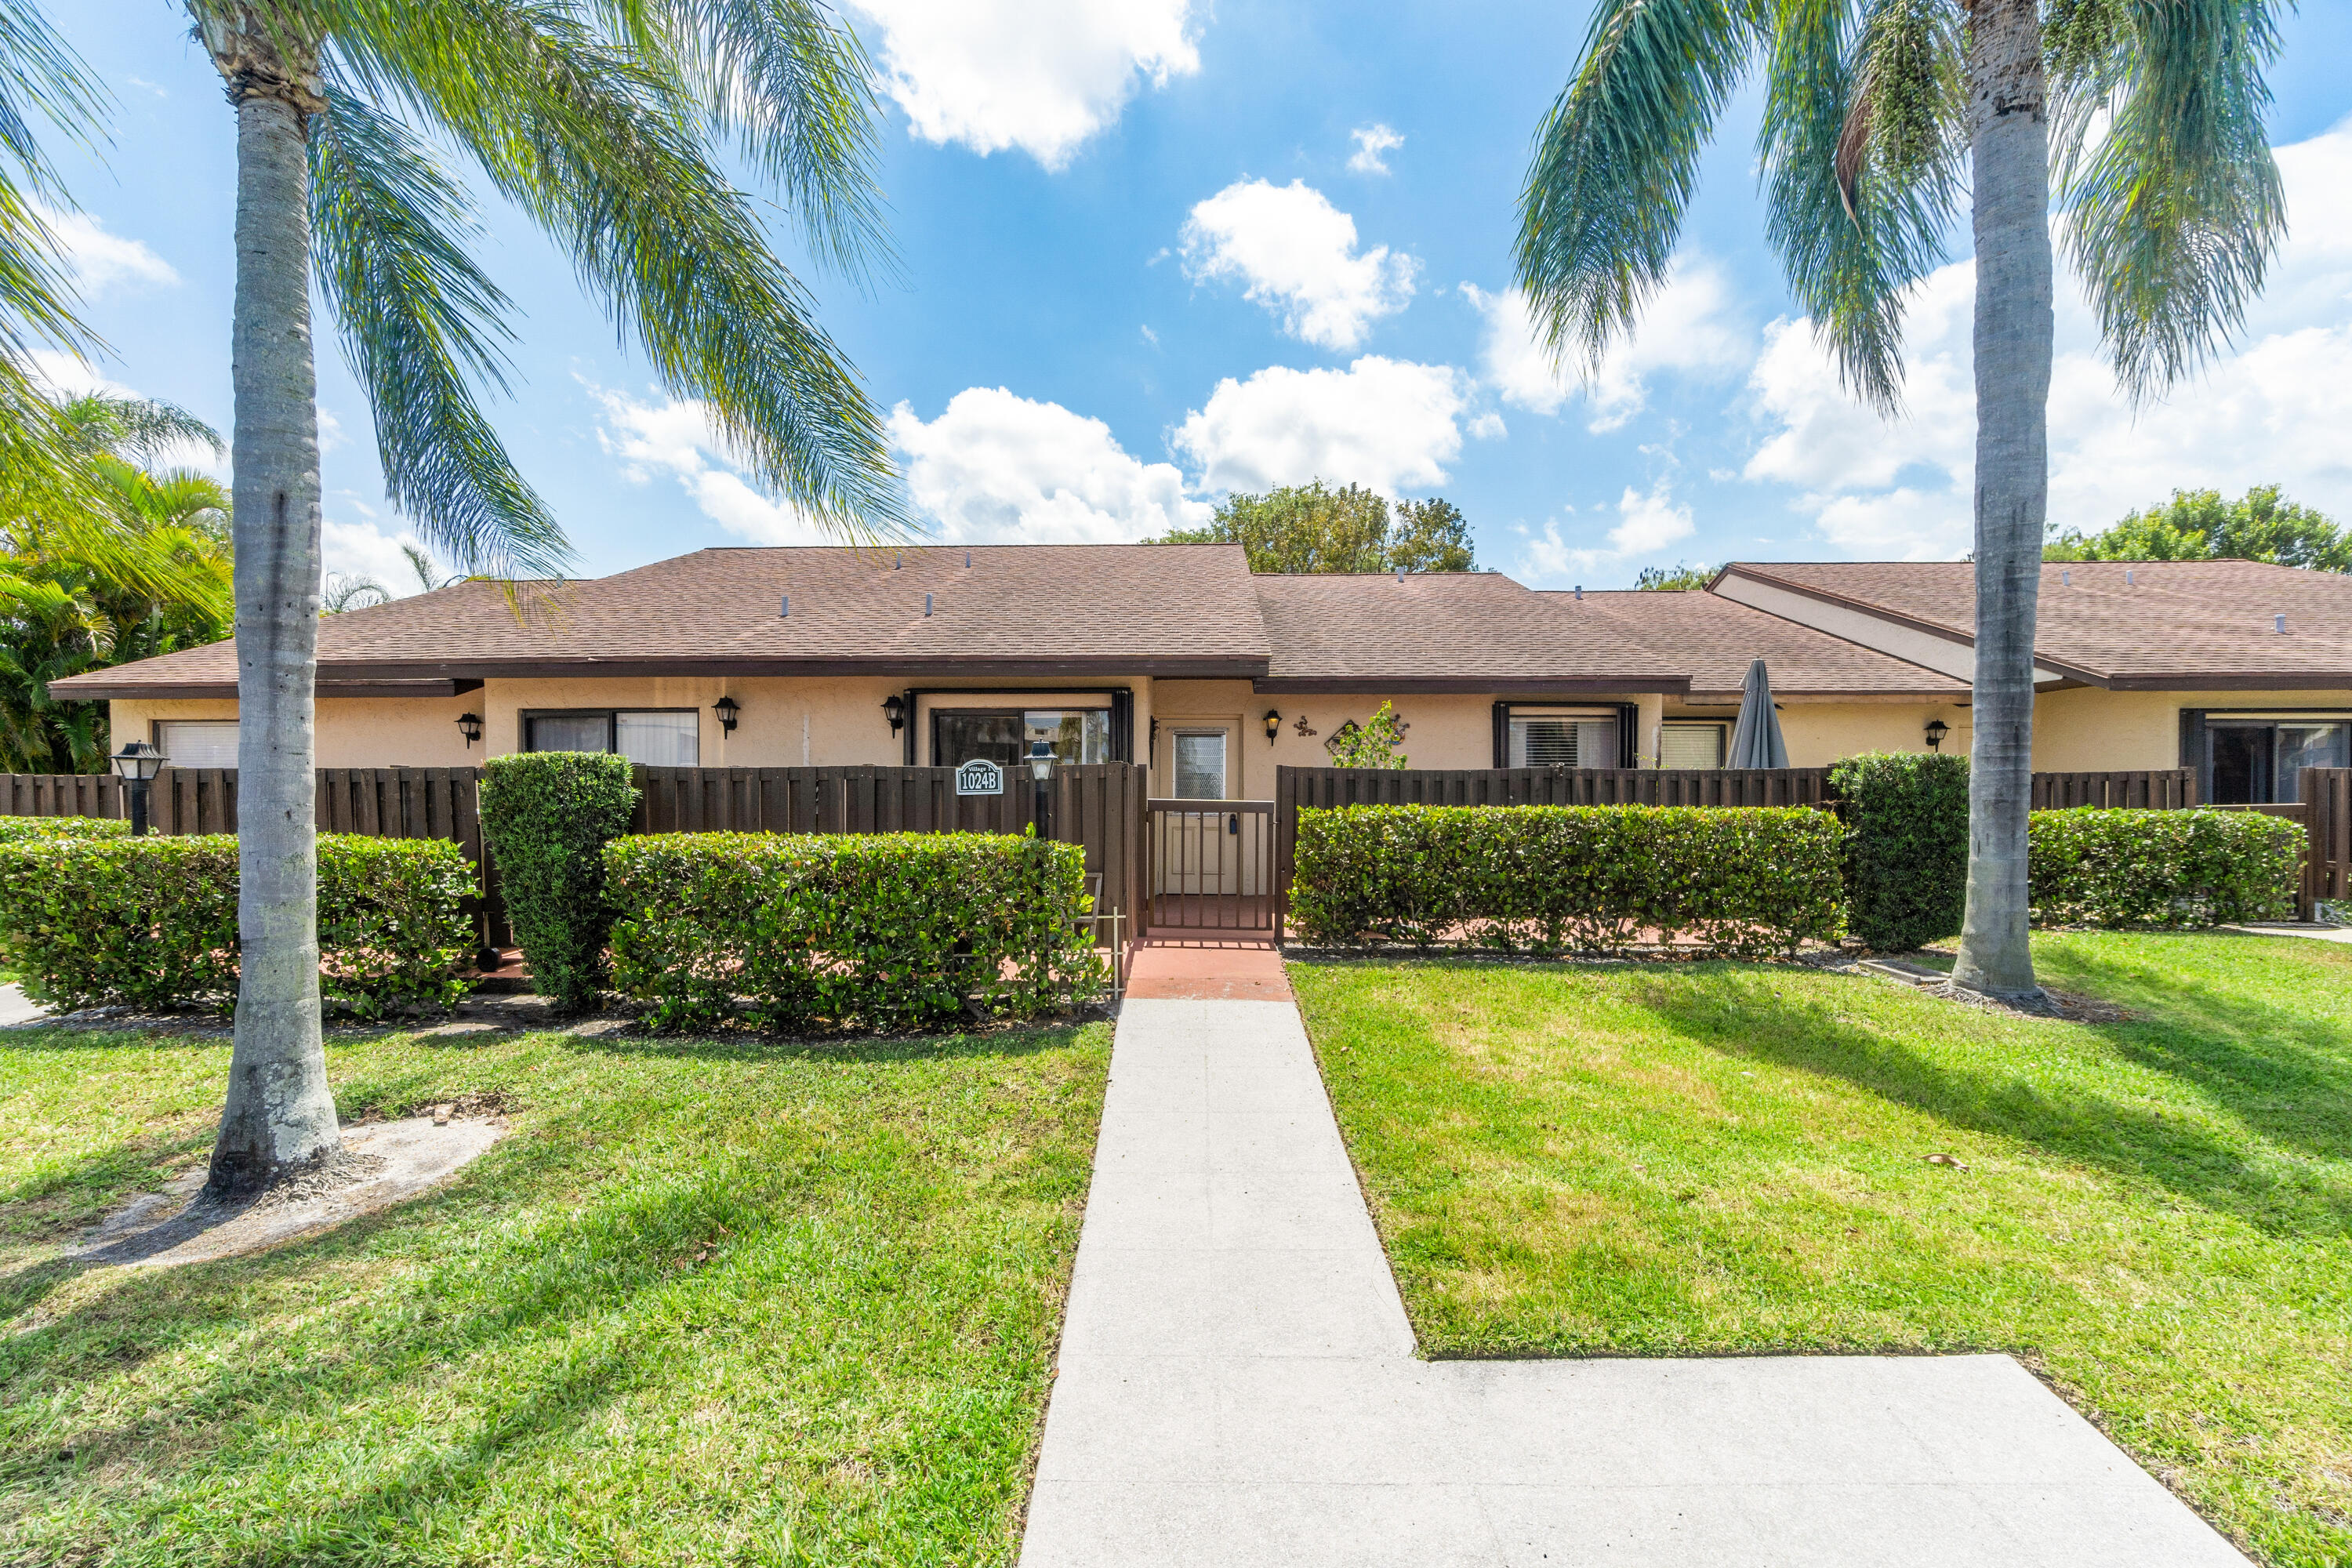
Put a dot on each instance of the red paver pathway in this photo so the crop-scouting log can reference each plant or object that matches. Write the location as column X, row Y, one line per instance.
column 1208, row 969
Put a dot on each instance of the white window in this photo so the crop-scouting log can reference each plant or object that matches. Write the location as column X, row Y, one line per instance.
column 198, row 742
column 1691, row 746
column 1200, row 764
column 1566, row 740
column 657, row 739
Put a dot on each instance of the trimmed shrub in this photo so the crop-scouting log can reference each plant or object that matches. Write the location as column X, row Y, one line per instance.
column 152, row 922
column 546, row 818
column 1907, row 846
column 42, row 830
column 879, row 931
column 1586, row 878
column 2124, row 869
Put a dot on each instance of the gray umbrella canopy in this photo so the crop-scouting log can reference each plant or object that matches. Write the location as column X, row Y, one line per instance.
column 1755, row 740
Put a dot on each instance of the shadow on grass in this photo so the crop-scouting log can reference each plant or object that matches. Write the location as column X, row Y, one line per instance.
column 1734, row 1009
column 845, row 1048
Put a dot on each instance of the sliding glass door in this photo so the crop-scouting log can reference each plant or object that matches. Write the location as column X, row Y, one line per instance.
column 2260, row 761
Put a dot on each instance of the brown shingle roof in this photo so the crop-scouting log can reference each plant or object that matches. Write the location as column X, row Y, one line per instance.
column 2177, row 623
column 1475, row 631
column 1063, row 609
column 1715, row 639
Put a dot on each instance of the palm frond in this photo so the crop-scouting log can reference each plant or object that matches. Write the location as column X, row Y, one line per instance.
column 1616, row 161
column 418, row 317
column 1862, row 144
column 795, row 87
column 587, row 141
column 40, row 76
column 2173, row 217
column 133, row 429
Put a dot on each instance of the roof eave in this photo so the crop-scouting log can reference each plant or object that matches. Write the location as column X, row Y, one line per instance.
column 1669, row 685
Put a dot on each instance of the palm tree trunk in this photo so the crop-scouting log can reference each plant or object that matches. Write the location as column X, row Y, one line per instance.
column 2009, row 146
column 279, row 1117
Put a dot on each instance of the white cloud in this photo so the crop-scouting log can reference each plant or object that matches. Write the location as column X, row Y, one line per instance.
column 1388, row 424
column 1295, row 253
column 2272, row 410
column 363, row 549
column 1647, row 522
column 1373, row 143
column 98, row 260
column 1040, row 76
column 996, row 468
column 675, row 436
column 1690, row 327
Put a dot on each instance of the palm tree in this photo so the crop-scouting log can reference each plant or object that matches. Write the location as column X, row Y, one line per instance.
column 341, row 593
column 599, row 120
column 1877, row 115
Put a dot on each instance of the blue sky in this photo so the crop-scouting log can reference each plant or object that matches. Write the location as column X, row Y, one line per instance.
column 1155, row 250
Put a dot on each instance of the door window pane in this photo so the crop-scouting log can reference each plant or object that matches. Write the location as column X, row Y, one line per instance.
column 1691, row 746
column 1201, row 765
column 1563, row 743
column 2310, row 745
column 1077, row 734
column 2241, row 763
column 958, row 738
column 660, row 740
column 198, row 743
column 569, row 732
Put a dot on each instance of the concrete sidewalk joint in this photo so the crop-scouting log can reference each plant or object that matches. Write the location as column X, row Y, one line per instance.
column 1238, row 1385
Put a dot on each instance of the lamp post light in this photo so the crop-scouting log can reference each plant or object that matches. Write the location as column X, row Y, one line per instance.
column 1937, row 731
column 137, row 765
column 1041, row 768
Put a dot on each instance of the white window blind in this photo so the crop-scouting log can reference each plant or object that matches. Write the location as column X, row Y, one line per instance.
column 1563, row 743
column 1691, row 746
column 1201, row 765
column 198, row 742
column 660, row 740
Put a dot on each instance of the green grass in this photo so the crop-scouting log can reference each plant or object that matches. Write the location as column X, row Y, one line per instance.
column 709, row 1303
column 2156, row 1213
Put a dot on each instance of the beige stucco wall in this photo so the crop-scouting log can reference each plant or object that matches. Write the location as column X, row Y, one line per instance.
column 838, row 720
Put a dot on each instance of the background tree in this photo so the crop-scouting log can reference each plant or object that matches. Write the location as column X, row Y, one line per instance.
column 1679, row 577
column 1314, row 527
column 2199, row 525
column 1880, row 116
column 102, row 560
column 600, row 124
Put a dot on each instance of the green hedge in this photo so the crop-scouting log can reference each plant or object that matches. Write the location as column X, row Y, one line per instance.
column 42, row 830
column 2121, row 868
column 881, row 931
column 546, row 818
column 152, row 922
column 1907, row 846
column 1586, row 878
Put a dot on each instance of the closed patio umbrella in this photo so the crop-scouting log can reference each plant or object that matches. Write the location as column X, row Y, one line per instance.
column 1755, row 740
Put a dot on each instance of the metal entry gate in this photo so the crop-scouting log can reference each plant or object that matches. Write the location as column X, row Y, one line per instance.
column 1212, row 865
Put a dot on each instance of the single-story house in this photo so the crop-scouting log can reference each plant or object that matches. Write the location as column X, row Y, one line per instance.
column 1179, row 657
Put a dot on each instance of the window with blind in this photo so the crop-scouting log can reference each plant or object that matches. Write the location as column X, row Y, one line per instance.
column 1691, row 746
column 198, row 742
column 1567, row 741
column 657, row 738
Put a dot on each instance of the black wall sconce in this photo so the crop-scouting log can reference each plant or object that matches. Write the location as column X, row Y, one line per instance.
column 726, row 708
column 470, row 726
column 1937, row 731
column 1273, row 726
column 894, row 707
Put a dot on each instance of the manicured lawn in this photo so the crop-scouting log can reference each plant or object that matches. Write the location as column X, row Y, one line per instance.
column 708, row 1303
column 2156, row 1213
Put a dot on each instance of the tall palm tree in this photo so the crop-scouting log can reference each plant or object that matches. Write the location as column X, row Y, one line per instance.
column 1878, row 115
column 600, row 120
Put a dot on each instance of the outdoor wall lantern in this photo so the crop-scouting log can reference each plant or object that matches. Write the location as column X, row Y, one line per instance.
column 1273, row 726
column 470, row 726
column 137, row 764
column 894, row 707
column 1937, row 731
column 726, row 708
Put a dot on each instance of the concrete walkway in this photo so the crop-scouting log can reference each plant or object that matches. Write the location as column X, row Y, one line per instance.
column 16, row 1007
column 1237, row 1386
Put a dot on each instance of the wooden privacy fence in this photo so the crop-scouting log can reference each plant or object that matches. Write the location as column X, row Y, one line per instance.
column 2152, row 789
column 1097, row 805
column 60, row 795
column 2327, row 829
